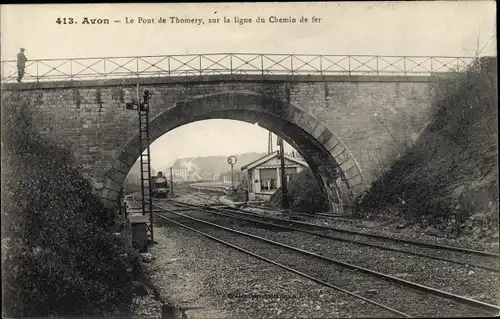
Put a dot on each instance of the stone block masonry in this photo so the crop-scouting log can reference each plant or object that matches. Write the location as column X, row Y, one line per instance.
column 357, row 125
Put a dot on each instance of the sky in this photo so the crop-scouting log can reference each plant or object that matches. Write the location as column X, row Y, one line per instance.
column 230, row 136
column 371, row 28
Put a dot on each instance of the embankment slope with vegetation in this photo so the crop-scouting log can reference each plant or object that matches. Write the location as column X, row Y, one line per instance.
column 447, row 183
column 60, row 253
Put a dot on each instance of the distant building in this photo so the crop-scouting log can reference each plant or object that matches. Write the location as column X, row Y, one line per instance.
column 179, row 174
column 264, row 174
column 210, row 176
column 194, row 176
column 238, row 177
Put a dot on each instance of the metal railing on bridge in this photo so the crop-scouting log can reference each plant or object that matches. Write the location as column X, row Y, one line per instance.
column 231, row 63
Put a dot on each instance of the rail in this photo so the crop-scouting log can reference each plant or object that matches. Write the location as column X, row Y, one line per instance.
column 222, row 189
column 491, row 308
column 76, row 69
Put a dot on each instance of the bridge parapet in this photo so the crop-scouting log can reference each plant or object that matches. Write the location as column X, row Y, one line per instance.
column 103, row 68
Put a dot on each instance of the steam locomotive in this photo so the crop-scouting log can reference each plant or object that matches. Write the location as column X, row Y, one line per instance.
column 159, row 186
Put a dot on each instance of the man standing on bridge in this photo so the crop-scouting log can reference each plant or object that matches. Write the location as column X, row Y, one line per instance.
column 21, row 63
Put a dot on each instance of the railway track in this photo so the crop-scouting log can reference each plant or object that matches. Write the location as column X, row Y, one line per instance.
column 319, row 269
column 324, row 215
column 199, row 197
column 466, row 257
column 490, row 259
column 399, row 263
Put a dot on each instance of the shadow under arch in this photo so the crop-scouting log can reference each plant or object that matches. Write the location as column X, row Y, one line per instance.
column 326, row 155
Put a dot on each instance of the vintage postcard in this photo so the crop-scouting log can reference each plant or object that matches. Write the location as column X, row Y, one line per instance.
column 250, row 160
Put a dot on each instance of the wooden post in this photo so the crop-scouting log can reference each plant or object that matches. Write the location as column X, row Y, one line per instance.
column 171, row 182
column 284, row 192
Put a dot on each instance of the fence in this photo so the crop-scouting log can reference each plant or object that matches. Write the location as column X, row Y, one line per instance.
column 230, row 63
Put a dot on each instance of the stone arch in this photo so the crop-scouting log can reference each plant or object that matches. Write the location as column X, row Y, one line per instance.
column 327, row 156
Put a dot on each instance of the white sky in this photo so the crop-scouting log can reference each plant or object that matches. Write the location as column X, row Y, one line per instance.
column 395, row 28
column 213, row 137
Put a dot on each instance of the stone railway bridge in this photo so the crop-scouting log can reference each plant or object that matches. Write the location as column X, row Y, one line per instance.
column 348, row 126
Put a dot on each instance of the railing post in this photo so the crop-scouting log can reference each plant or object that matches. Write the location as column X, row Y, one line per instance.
column 291, row 63
column 200, row 65
column 432, row 67
column 404, row 65
column 104, row 67
column 349, row 64
column 137, row 66
column 376, row 60
column 37, row 76
column 169, row 72
column 231, row 63
column 262, row 63
column 321, row 64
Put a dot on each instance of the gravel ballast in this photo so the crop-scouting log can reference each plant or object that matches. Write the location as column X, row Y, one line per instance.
column 205, row 279
column 414, row 303
column 193, row 271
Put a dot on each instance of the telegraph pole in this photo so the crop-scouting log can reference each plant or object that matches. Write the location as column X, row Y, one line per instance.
column 171, row 182
column 284, row 192
column 232, row 175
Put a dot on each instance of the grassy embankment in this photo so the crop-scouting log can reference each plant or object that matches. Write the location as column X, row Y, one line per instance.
column 447, row 182
column 61, row 255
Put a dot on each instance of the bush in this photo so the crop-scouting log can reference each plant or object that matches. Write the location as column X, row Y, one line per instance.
column 59, row 254
column 304, row 193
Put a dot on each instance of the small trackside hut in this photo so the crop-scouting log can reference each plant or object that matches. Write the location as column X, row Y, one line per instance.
column 264, row 176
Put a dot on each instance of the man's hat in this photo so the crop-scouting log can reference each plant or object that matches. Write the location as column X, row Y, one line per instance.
column 22, row 49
